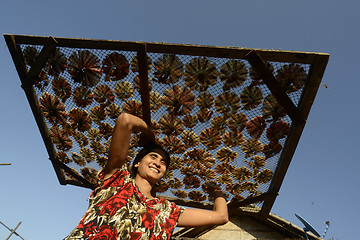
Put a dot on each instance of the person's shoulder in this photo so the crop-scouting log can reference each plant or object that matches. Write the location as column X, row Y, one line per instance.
column 168, row 203
column 124, row 170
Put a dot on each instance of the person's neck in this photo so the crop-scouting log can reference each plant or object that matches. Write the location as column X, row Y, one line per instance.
column 144, row 186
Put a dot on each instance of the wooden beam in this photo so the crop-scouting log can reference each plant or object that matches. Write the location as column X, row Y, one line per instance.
column 144, row 83
column 189, row 203
column 233, row 205
column 40, row 61
column 84, row 182
column 230, row 52
column 35, row 107
column 251, row 200
column 78, row 43
column 33, row 100
column 185, row 49
column 283, row 165
column 316, row 72
column 274, row 86
column 17, row 56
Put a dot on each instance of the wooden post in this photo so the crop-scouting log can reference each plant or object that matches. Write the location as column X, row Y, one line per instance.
column 144, row 83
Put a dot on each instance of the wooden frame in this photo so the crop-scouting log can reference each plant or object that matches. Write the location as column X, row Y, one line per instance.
column 256, row 58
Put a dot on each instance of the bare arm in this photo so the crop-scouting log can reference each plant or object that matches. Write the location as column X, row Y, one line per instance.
column 199, row 217
column 120, row 142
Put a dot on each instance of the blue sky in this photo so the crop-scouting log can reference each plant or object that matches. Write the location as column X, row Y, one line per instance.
column 322, row 181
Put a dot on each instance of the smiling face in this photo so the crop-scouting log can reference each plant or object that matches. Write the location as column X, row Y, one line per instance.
column 152, row 166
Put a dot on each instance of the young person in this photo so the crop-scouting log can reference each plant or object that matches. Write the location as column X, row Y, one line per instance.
column 124, row 205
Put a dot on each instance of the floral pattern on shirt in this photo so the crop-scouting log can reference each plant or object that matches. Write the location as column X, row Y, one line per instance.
column 118, row 210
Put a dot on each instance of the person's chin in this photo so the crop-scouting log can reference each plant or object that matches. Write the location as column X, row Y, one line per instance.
column 154, row 178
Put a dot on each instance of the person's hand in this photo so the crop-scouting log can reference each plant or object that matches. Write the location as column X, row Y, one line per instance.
column 146, row 137
column 214, row 190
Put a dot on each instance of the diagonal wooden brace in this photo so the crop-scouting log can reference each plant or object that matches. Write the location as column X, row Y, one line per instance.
column 40, row 62
column 83, row 181
column 269, row 79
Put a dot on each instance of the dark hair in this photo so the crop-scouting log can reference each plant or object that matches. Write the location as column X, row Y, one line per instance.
column 144, row 151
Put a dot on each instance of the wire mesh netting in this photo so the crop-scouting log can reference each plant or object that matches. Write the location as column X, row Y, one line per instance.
column 216, row 117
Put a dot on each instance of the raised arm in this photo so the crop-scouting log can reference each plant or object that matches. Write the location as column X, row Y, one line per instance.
column 199, row 217
column 120, row 142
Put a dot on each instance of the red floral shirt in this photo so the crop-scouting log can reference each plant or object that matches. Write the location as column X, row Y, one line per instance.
column 118, row 210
